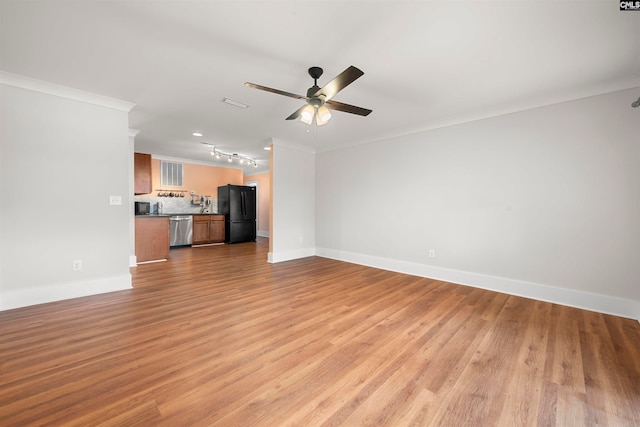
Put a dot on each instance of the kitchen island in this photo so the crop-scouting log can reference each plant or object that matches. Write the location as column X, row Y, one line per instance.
column 151, row 238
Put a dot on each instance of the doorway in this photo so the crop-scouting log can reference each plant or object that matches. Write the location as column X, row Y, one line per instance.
column 255, row 185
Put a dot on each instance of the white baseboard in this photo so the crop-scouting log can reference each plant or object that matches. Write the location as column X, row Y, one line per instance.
column 262, row 233
column 573, row 298
column 57, row 292
column 133, row 261
column 154, row 261
column 274, row 257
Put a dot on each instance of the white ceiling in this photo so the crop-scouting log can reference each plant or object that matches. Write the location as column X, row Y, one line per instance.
column 426, row 63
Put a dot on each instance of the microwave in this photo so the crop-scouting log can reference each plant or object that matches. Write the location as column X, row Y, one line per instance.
column 143, row 208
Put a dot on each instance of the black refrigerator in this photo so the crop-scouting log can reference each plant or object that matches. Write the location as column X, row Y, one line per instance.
column 238, row 204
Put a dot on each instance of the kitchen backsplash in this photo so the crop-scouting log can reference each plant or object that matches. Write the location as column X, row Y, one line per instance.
column 171, row 205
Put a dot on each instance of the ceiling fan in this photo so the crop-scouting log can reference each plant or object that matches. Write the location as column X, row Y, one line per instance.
column 318, row 99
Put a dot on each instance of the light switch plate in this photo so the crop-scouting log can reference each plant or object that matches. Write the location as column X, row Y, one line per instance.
column 115, row 200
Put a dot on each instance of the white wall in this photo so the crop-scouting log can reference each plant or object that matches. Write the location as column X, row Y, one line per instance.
column 61, row 159
column 542, row 203
column 132, row 226
column 293, row 233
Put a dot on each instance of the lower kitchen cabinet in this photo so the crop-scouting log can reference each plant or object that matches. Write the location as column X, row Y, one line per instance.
column 216, row 228
column 208, row 229
column 152, row 238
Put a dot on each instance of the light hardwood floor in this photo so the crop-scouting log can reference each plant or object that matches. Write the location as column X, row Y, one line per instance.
column 219, row 337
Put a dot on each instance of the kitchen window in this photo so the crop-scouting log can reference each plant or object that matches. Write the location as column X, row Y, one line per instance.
column 170, row 174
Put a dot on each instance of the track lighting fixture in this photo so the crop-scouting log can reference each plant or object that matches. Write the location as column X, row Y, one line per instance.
column 217, row 154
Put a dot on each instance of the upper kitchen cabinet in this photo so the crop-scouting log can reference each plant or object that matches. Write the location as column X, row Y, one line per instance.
column 141, row 173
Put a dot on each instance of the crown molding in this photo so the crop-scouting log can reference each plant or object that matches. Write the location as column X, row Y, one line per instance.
column 263, row 172
column 41, row 86
column 541, row 102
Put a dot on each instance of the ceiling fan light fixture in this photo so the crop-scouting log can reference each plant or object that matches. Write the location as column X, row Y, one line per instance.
column 323, row 116
column 306, row 115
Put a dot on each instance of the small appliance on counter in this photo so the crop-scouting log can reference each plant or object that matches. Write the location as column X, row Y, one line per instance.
column 142, row 208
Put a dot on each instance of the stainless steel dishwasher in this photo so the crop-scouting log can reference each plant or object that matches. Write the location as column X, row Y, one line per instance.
column 181, row 230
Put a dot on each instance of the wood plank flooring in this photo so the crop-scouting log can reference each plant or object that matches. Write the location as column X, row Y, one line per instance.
column 219, row 337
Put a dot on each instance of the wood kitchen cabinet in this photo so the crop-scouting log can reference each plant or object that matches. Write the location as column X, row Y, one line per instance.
column 141, row 173
column 208, row 229
column 152, row 238
column 200, row 229
column 216, row 228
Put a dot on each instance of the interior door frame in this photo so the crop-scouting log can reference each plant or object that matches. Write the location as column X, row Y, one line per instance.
column 255, row 185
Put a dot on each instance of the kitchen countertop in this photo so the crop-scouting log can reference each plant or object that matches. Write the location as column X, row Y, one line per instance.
column 194, row 213
column 175, row 214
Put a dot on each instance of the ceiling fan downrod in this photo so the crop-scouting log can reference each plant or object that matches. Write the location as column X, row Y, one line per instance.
column 315, row 73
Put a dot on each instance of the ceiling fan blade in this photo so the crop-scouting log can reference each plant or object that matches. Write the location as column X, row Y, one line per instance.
column 339, row 106
column 296, row 113
column 276, row 91
column 339, row 82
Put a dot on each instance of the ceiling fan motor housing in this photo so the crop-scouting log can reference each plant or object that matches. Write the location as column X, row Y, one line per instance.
column 314, row 101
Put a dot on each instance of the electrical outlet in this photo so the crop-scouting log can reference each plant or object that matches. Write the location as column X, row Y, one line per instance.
column 77, row 264
column 432, row 253
column 115, row 200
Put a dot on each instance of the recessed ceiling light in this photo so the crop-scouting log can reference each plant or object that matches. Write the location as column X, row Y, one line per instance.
column 197, row 134
column 268, row 148
column 234, row 103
